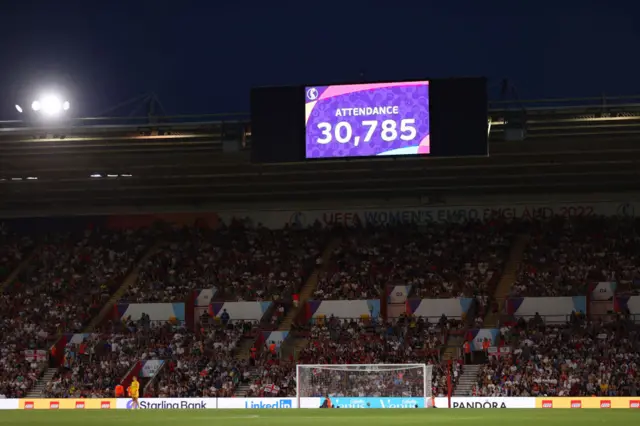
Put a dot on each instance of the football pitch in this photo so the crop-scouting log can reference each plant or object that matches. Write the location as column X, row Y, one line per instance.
column 335, row 417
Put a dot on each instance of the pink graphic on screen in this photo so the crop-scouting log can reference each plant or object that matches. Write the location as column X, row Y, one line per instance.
column 362, row 120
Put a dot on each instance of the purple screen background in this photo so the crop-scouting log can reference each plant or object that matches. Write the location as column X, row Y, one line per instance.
column 412, row 100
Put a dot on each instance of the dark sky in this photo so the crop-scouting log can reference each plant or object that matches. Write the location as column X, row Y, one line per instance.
column 201, row 56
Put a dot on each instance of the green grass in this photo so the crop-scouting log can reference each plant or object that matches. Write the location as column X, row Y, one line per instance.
column 336, row 417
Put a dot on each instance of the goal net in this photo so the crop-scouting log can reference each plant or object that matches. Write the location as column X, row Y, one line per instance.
column 364, row 385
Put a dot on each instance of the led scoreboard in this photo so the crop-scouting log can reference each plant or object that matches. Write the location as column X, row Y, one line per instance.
column 431, row 118
column 362, row 120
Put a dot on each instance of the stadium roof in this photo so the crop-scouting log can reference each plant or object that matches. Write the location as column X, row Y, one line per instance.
column 102, row 164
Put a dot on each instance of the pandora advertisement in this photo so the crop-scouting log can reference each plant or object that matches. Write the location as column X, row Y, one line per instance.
column 364, row 120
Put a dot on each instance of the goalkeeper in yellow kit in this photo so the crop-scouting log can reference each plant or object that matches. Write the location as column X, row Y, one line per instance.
column 134, row 392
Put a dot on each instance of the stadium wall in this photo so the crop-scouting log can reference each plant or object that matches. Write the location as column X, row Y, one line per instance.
column 292, row 402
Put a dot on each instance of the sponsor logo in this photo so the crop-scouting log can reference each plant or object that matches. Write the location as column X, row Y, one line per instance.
column 312, row 94
column 282, row 403
column 605, row 403
column 105, row 405
column 404, row 403
column 576, row 403
column 167, row 405
column 547, row 403
column 29, row 405
column 634, row 403
column 80, row 405
column 478, row 404
column 54, row 405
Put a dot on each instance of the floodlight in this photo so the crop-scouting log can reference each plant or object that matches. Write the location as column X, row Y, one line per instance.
column 19, row 108
column 51, row 105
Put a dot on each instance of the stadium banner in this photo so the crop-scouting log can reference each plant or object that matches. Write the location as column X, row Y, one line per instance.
column 169, row 403
column 552, row 309
column 488, row 402
column 150, row 367
column 240, row 311
column 632, row 303
column 423, row 215
column 156, row 311
column 264, row 402
column 589, row 402
column 378, row 402
column 342, row 308
column 398, row 293
column 67, row 404
column 433, row 309
column 203, row 297
column 477, row 337
column 603, row 291
column 9, row 404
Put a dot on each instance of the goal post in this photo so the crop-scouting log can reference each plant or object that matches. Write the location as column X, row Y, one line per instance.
column 364, row 385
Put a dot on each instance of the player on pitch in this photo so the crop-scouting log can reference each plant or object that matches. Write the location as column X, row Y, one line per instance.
column 134, row 392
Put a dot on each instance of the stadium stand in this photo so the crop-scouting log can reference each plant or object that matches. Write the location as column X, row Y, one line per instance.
column 444, row 260
column 13, row 249
column 60, row 290
column 579, row 358
column 72, row 276
column 565, row 255
column 243, row 262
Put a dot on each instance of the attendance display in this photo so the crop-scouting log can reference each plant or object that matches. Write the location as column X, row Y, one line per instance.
column 363, row 120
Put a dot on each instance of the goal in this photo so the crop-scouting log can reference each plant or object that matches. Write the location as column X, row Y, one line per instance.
column 364, row 385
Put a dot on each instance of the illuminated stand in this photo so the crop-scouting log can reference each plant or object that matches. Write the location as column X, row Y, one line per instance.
column 366, row 385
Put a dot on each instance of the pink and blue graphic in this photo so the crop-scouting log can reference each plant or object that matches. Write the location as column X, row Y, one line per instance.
column 632, row 303
column 362, row 120
column 342, row 308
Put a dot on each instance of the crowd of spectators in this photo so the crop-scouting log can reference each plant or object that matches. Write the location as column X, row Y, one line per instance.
column 241, row 261
column 580, row 358
column 204, row 365
column 69, row 279
column 566, row 255
column 442, row 260
column 13, row 249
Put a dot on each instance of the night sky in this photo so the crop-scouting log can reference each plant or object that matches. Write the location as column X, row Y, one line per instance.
column 201, row 57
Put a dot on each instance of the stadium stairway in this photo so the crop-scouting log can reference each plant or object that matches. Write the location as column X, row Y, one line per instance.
column 38, row 389
column 454, row 343
column 310, row 286
column 126, row 283
column 507, row 279
column 14, row 274
column 467, row 380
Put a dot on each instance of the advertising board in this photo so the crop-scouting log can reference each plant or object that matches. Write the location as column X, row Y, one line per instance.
column 169, row 403
column 488, row 402
column 589, row 402
column 66, row 404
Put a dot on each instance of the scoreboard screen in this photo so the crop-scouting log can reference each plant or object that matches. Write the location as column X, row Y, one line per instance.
column 422, row 117
column 365, row 120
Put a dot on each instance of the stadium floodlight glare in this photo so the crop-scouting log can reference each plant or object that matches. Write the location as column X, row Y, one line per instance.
column 19, row 108
column 50, row 105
